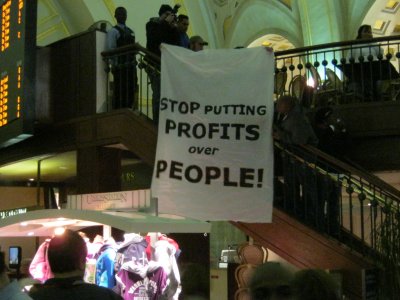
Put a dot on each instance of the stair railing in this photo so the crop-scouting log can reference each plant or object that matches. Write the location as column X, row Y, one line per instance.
column 339, row 200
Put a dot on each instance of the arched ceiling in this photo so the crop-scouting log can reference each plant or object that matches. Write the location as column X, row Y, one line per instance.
column 224, row 23
column 254, row 19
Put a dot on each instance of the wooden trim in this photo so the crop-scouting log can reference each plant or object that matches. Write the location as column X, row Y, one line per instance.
column 306, row 248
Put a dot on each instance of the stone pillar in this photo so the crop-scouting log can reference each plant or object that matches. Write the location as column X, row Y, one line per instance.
column 98, row 170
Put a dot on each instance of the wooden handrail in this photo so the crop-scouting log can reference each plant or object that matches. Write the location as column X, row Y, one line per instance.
column 393, row 192
column 131, row 48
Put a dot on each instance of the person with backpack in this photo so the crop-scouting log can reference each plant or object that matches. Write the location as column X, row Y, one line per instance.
column 123, row 66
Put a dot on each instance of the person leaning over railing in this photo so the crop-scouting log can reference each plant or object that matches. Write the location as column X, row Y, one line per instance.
column 291, row 125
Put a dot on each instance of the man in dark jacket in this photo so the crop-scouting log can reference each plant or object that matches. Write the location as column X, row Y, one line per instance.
column 292, row 125
column 67, row 258
column 160, row 30
column 123, row 66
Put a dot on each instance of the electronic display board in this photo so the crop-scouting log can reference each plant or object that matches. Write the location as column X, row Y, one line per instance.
column 17, row 69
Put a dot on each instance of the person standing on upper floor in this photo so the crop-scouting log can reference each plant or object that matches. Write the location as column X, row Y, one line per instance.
column 183, row 25
column 364, row 65
column 196, row 43
column 9, row 290
column 123, row 66
column 364, row 50
column 292, row 126
column 161, row 29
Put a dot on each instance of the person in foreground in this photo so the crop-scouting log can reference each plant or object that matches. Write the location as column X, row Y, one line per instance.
column 271, row 281
column 9, row 290
column 67, row 259
column 314, row 284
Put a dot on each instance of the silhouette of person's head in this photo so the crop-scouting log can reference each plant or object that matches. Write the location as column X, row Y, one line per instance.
column 271, row 281
column 364, row 32
column 121, row 15
column 183, row 23
column 67, row 253
column 314, row 285
column 285, row 104
column 196, row 43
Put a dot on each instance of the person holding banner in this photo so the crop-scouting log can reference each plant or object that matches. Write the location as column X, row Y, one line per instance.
column 160, row 30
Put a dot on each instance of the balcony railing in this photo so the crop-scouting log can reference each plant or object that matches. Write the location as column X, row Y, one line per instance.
column 128, row 80
column 339, row 73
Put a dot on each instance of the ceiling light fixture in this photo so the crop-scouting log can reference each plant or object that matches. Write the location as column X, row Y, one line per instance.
column 59, row 230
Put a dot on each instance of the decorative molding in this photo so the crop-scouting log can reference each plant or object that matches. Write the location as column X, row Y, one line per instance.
column 51, row 8
column 380, row 26
column 60, row 27
column 391, row 7
column 50, row 23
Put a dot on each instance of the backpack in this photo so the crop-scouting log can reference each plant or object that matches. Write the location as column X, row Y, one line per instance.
column 126, row 36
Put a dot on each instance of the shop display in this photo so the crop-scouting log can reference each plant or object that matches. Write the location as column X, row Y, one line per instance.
column 146, row 268
column 138, row 268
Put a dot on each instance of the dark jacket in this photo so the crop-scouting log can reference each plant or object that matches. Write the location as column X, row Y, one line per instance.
column 294, row 128
column 158, row 32
column 71, row 289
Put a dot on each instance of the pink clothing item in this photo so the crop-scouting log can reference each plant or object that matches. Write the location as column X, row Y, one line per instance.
column 40, row 267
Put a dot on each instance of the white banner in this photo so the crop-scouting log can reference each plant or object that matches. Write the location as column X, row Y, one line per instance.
column 214, row 156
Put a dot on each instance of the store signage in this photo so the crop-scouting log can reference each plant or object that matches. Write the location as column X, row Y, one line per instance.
column 12, row 212
column 137, row 199
column 214, row 157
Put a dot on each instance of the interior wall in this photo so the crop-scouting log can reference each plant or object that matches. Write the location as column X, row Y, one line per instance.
column 19, row 197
